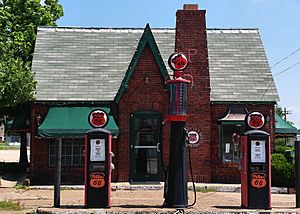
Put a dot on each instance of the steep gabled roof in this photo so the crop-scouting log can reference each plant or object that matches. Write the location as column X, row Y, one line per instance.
column 90, row 64
column 146, row 39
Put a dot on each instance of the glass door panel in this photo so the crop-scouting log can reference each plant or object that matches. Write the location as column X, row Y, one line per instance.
column 145, row 147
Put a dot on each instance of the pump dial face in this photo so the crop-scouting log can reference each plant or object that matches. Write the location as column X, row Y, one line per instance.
column 97, row 150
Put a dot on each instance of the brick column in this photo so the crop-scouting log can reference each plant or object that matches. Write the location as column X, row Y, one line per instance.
column 191, row 39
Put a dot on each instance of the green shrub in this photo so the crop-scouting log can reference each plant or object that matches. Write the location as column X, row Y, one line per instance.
column 282, row 148
column 283, row 172
column 6, row 146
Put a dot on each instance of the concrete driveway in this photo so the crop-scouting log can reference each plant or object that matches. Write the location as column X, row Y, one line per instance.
column 140, row 201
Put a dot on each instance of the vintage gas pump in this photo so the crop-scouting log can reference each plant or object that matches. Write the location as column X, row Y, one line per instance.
column 176, row 181
column 255, row 163
column 98, row 166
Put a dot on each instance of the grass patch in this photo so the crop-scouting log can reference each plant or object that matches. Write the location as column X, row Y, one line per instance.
column 202, row 189
column 23, row 187
column 6, row 146
column 9, row 205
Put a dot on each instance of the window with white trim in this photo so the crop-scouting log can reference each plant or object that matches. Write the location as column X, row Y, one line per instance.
column 72, row 153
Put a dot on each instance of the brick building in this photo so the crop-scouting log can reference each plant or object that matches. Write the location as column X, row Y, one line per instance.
column 123, row 72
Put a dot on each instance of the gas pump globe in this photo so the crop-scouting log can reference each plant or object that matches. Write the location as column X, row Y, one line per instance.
column 178, row 87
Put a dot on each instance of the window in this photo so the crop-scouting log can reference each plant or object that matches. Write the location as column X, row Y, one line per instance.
column 72, row 153
column 230, row 139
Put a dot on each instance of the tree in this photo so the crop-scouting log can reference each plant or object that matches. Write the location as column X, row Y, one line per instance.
column 19, row 20
column 282, row 113
column 279, row 111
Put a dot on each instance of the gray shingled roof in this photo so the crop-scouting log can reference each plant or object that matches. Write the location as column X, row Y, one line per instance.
column 89, row 64
column 239, row 69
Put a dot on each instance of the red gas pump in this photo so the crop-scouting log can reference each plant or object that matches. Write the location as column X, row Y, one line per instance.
column 98, row 166
column 255, row 165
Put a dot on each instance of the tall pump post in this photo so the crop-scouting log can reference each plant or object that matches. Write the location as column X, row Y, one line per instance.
column 176, row 181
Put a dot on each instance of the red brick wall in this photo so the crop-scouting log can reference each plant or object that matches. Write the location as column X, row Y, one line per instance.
column 141, row 97
column 191, row 39
column 40, row 171
column 228, row 172
column 38, row 148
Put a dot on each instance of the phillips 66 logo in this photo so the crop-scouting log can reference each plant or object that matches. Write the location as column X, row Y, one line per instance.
column 98, row 118
column 178, row 61
column 97, row 180
column 258, row 180
column 255, row 120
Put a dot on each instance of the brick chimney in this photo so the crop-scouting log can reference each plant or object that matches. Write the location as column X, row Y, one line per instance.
column 190, row 7
column 191, row 39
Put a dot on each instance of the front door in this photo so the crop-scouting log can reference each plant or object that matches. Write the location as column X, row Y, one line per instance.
column 145, row 146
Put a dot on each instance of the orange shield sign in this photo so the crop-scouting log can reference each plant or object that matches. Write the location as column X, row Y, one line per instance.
column 97, row 180
column 258, row 180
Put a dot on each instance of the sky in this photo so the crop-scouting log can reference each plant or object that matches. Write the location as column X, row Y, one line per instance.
column 278, row 22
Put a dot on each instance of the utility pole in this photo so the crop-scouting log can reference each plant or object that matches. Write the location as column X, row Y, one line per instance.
column 286, row 112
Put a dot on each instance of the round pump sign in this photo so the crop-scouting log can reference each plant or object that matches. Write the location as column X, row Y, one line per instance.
column 98, row 118
column 193, row 137
column 255, row 120
column 178, row 61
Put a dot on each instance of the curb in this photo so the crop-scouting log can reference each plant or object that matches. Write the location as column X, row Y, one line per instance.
column 201, row 187
column 162, row 211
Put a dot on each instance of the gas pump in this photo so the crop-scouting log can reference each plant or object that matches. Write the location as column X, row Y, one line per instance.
column 255, row 165
column 176, row 182
column 98, row 166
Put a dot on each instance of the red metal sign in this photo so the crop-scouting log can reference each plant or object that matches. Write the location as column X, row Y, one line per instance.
column 255, row 120
column 97, row 180
column 258, row 180
column 178, row 61
column 98, row 118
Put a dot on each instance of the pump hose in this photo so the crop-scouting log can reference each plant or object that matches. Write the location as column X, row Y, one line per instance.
column 165, row 171
column 192, row 175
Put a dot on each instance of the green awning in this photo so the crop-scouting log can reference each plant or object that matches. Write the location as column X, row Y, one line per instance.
column 282, row 127
column 72, row 121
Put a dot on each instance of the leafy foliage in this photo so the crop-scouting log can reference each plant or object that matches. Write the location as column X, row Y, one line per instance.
column 283, row 166
column 283, row 172
column 16, row 84
column 6, row 146
column 280, row 112
column 19, row 20
column 281, row 147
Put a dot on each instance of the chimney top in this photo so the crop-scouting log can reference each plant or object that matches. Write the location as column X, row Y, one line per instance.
column 190, row 7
